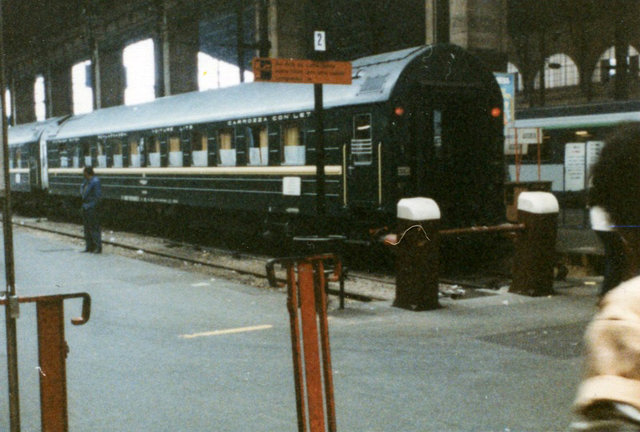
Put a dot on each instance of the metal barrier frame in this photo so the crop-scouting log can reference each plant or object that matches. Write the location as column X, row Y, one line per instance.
column 52, row 354
column 307, row 306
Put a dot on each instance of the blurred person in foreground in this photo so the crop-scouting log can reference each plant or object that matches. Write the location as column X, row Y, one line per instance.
column 614, row 255
column 608, row 398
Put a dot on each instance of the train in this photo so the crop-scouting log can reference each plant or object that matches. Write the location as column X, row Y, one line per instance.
column 570, row 140
column 423, row 121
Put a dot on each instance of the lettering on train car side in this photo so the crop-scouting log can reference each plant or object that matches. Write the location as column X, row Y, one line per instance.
column 251, row 120
column 113, row 135
column 162, row 130
column 135, row 198
column 278, row 117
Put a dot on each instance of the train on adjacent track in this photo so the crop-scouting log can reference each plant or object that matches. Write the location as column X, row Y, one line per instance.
column 571, row 138
column 425, row 121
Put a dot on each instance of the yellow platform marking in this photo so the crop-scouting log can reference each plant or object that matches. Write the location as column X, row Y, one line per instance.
column 227, row 331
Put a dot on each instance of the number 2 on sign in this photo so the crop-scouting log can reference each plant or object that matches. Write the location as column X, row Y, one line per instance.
column 319, row 41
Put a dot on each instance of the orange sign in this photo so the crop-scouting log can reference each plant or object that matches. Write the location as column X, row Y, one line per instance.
column 301, row 71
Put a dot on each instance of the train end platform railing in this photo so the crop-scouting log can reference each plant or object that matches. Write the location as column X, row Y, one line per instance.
column 307, row 306
column 418, row 238
column 52, row 353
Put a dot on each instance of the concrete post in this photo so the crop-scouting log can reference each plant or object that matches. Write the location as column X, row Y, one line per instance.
column 111, row 81
column 176, row 53
column 535, row 249
column 479, row 26
column 59, row 92
column 417, row 259
column 288, row 29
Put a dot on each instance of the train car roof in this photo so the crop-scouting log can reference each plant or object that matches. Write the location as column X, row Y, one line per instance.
column 579, row 121
column 374, row 78
column 30, row 132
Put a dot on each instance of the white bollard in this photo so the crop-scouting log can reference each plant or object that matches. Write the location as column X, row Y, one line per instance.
column 535, row 249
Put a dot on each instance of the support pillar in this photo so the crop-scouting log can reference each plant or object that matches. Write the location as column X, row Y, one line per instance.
column 24, row 100
column 288, row 28
column 58, row 87
column 110, row 78
column 480, row 26
column 176, row 52
column 437, row 21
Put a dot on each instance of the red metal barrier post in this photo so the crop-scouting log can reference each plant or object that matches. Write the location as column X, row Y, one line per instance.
column 52, row 354
column 417, row 255
column 307, row 304
column 535, row 249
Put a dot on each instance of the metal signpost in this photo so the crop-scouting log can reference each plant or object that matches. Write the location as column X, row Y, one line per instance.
column 308, row 72
column 11, row 303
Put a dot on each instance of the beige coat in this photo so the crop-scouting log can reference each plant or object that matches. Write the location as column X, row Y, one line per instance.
column 613, row 350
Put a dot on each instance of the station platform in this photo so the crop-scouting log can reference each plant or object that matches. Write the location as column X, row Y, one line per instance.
column 174, row 350
column 579, row 246
column 578, row 241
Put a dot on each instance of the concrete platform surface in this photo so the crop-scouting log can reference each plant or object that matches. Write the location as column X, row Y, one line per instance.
column 168, row 350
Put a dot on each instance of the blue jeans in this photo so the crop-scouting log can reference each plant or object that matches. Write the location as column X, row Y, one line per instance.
column 92, row 234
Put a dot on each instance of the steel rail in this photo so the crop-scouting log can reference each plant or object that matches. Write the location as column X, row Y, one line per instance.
column 239, row 270
column 482, row 229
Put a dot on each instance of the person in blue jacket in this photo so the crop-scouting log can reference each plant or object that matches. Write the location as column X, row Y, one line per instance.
column 91, row 194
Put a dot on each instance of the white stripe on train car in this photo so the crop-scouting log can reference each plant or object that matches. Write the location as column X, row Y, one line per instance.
column 306, row 170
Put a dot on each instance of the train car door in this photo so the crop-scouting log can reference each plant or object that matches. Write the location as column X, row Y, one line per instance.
column 34, row 171
column 417, row 147
column 448, row 154
column 362, row 166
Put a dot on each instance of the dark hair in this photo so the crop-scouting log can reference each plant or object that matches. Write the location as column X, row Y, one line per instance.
column 89, row 171
column 616, row 176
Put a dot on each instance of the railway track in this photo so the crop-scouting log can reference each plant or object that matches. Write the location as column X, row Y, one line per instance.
column 243, row 267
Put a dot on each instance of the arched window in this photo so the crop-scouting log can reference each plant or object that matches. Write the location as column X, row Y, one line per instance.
column 511, row 68
column 81, row 84
column 7, row 101
column 606, row 67
column 139, row 62
column 39, row 98
column 559, row 71
column 214, row 73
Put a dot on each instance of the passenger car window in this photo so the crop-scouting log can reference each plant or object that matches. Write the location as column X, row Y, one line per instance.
column 226, row 149
column 258, row 145
column 135, row 156
column 176, row 156
column 63, row 155
column 116, row 152
column 199, row 149
column 86, row 153
column 153, row 151
column 293, row 151
column 101, row 155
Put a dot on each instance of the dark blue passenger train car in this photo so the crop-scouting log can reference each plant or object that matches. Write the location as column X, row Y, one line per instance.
column 424, row 121
column 28, row 156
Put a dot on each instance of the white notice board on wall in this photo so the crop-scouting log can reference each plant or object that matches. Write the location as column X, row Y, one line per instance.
column 593, row 154
column 574, row 166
